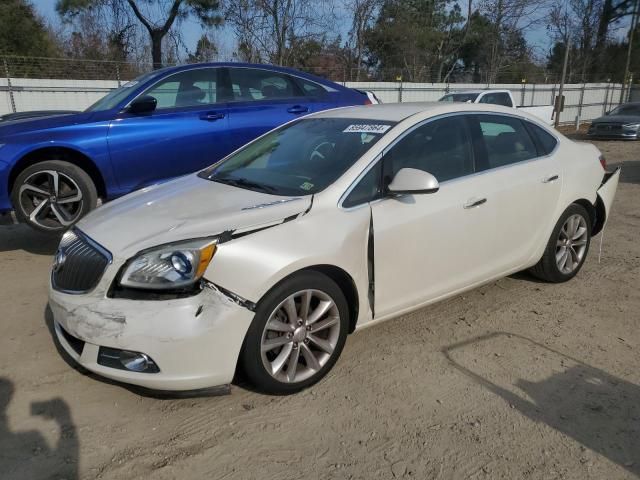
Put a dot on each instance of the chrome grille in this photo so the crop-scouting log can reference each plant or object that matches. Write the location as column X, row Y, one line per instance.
column 608, row 127
column 79, row 263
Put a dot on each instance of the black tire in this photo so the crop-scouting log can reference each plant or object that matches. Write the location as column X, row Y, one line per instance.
column 251, row 359
column 547, row 268
column 71, row 179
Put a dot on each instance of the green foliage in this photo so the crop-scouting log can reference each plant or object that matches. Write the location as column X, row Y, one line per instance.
column 22, row 32
column 415, row 32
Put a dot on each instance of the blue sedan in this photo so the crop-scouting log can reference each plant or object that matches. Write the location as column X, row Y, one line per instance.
column 53, row 169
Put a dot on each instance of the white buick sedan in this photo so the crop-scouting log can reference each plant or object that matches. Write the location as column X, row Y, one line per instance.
column 268, row 259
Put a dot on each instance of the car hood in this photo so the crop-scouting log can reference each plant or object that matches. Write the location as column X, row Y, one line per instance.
column 186, row 208
column 31, row 124
column 621, row 119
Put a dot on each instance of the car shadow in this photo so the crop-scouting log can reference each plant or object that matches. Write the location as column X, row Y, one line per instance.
column 596, row 409
column 143, row 392
column 21, row 237
column 27, row 454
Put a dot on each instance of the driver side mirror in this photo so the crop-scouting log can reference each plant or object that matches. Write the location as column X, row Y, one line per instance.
column 144, row 104
column 413, row 181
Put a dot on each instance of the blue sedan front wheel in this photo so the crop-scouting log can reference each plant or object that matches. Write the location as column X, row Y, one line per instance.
column 53, row 195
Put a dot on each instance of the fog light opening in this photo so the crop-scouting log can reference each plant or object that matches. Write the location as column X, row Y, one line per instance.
column 127, row 360
column 138, row 362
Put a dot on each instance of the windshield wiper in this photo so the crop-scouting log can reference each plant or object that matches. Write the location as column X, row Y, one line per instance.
column 244, row 183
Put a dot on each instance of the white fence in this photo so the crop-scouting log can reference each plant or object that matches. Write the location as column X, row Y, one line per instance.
column 582, row 101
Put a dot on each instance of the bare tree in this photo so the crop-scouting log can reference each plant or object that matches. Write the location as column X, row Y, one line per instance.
column 363, row 13
column 156, row 16
column 510, row 19
column 265, row 29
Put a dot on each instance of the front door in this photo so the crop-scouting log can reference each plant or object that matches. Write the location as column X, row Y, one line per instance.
column 186, row 132
column 428, row 245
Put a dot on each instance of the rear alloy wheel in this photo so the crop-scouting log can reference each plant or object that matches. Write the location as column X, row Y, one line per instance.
column 297, row 334
column 52, row 196
column 567, row 248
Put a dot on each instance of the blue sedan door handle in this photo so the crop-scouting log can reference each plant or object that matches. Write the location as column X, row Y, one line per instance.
column 298, row 109
column 211, row 116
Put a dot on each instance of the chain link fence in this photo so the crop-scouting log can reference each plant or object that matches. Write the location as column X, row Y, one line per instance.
column 32, row 83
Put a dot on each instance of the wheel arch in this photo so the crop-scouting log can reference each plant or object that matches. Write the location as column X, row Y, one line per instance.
column 59, row 153
column 592, row 210
column 344, row 281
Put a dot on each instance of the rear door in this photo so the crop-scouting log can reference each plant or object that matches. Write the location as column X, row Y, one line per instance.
column 262, row 100
column 521, row 181
column 186, row 132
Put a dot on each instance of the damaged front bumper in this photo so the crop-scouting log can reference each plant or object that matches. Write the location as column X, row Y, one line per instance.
column 193, row 342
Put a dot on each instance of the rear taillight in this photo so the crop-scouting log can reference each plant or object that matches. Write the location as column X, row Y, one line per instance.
column 603, row 162
column 368, row 101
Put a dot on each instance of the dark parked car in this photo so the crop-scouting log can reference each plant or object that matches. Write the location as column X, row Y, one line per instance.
column 164, row 124
column 622, row 122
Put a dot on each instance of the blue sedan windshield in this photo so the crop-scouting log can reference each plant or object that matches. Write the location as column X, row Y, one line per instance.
column 300, row 158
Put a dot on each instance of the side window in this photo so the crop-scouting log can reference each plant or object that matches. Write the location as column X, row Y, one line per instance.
column 368, row 189
column 250, row 84
column 441, row 147
column 186, row 89
column 506, row 140
column 311, row 89
column 546, row 141
column 497, row 98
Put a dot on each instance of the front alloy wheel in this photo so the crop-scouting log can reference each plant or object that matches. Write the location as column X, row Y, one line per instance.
column 51, row 196
column 301, row 335
column 297, row 334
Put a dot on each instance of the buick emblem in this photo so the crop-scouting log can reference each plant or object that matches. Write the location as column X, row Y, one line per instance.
column 58, row 260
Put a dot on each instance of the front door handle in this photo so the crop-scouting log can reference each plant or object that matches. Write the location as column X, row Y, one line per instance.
column 550, row 179
column 211, row 116
column 475, row 203
column 298, row 109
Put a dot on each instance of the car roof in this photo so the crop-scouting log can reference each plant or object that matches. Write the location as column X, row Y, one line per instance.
column 273, row 68
column 396, row 112
column 477, row 91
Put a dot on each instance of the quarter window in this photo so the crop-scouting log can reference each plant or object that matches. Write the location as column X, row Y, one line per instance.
column 186, row 89
column 311, row 89
column 250, row 84
column 506, row 140
column 546, row 141
column 440, row 147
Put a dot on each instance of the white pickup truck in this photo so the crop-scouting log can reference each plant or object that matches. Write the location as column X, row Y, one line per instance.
column 499, row 97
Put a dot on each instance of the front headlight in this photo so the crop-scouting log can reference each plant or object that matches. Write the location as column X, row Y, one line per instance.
column 632, row 126
column 175, row 265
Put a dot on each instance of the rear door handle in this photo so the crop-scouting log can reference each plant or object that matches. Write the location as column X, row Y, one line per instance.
column 475, row 203
column 298, row 109
column 211, row 116
column 550, row 179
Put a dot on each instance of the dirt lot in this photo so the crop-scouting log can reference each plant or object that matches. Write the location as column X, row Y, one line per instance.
column 517, row 379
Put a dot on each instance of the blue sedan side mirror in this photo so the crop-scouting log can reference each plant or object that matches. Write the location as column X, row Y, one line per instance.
column 144, row 104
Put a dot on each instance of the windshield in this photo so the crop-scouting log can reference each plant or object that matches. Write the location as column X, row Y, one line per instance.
column 626, row 110
column 460, row 97
column 114, row 97
column 301, row 158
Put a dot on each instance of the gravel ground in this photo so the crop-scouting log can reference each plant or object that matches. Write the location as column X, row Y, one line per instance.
column 517, row 379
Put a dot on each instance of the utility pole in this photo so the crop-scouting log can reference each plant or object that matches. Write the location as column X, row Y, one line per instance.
column 559, row 102
column 634, row 24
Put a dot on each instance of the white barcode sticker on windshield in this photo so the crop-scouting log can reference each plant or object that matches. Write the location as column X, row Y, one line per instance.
column 366, row 128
